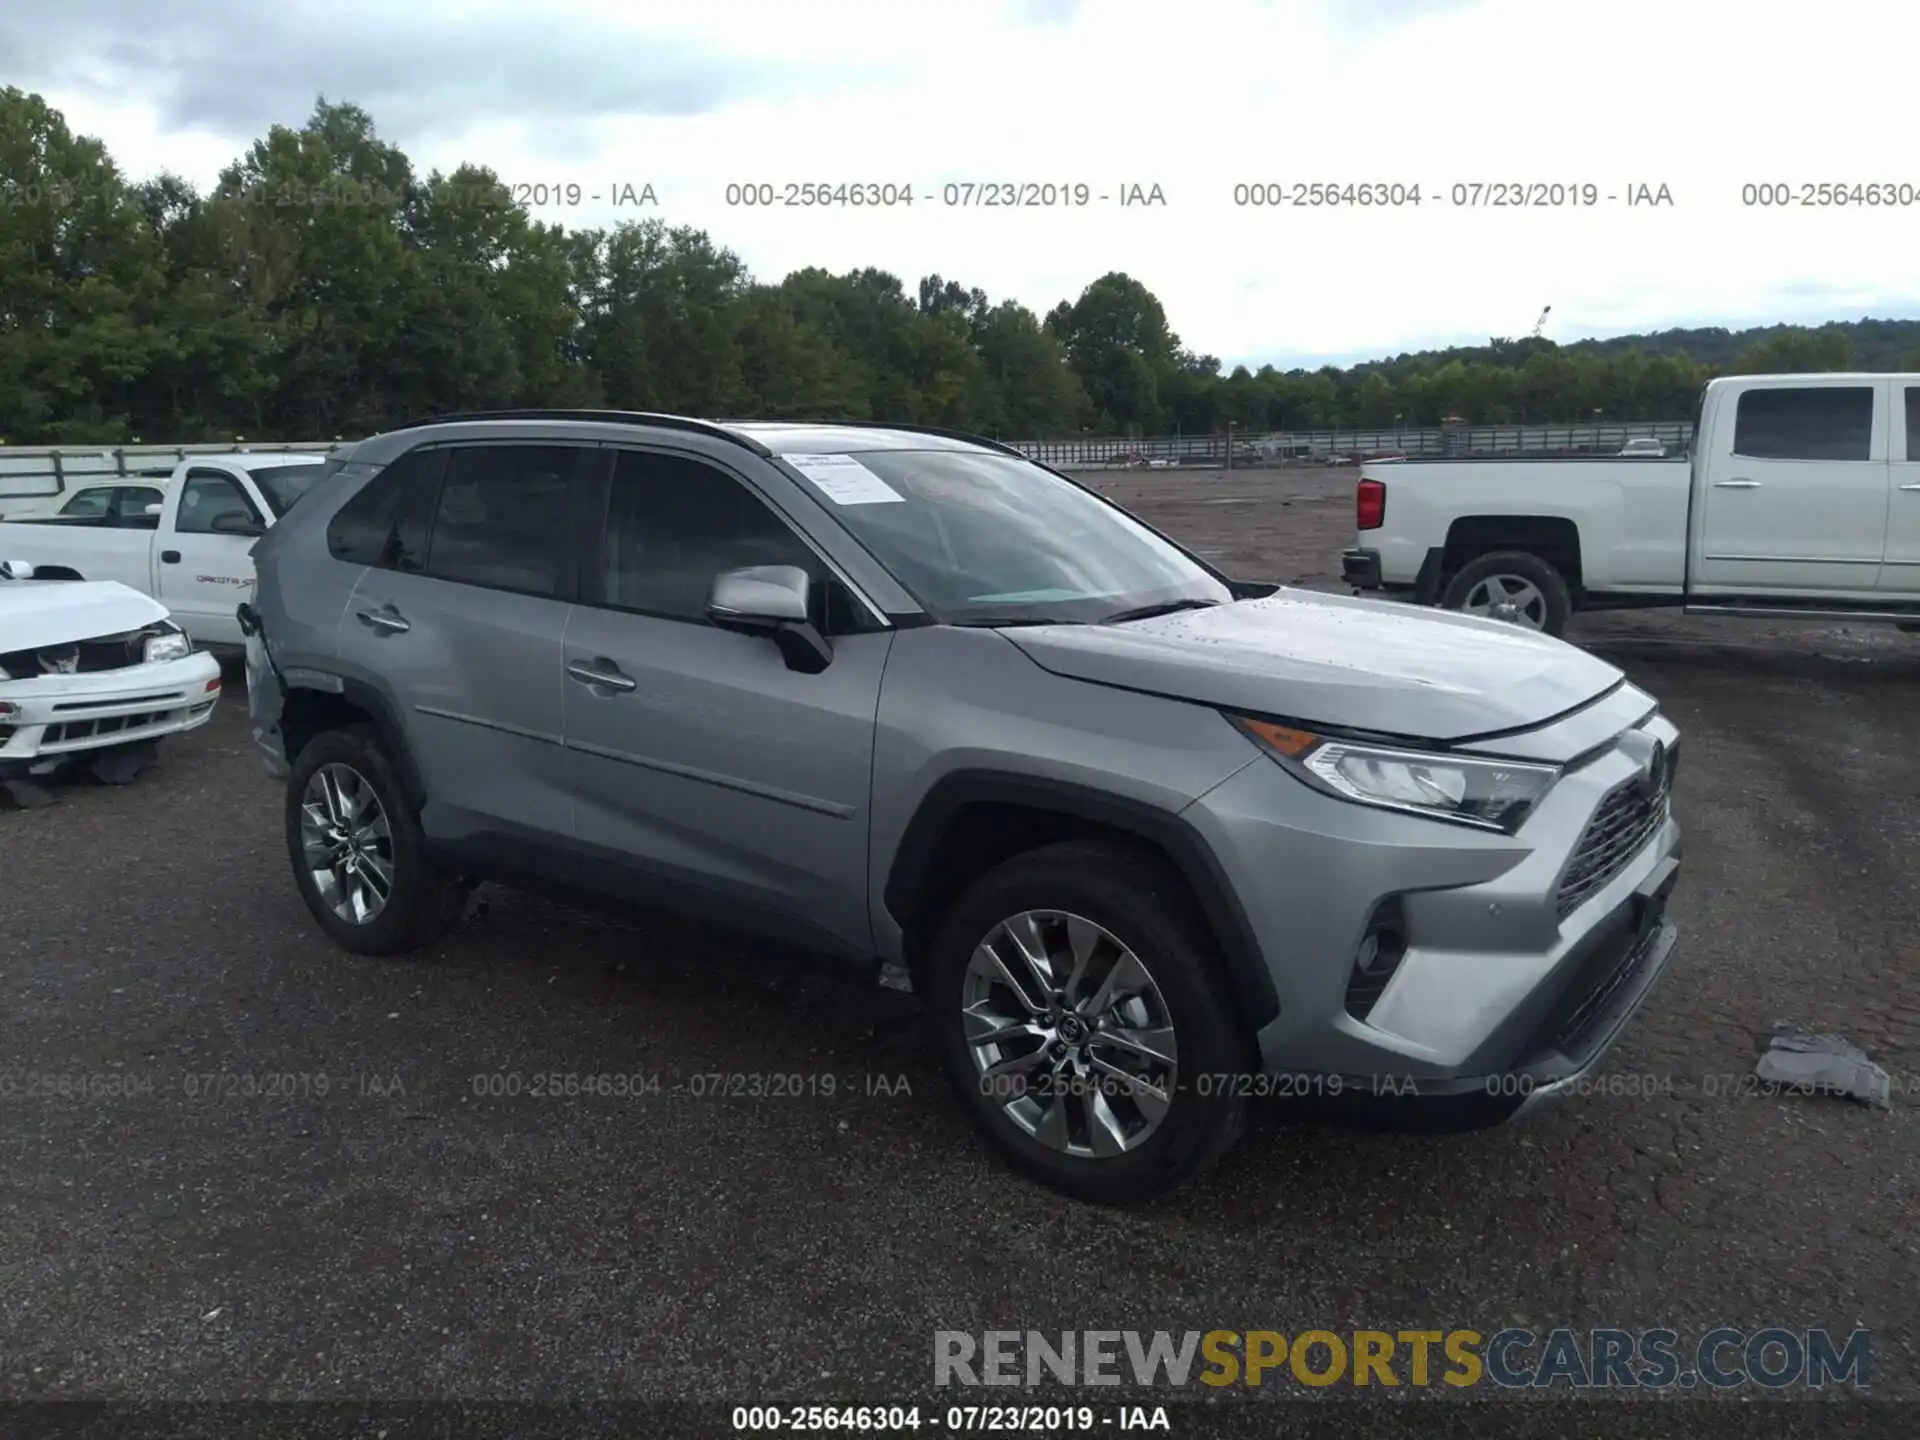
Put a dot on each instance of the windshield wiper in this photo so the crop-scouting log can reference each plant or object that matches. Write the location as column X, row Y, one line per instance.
column 1012, row 620
column 1147, row 612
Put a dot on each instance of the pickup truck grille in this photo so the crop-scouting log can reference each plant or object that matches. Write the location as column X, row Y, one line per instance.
column 1629, row 816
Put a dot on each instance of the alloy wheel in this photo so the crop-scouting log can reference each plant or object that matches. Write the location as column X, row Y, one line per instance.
column 347, row 843
column 1069, row 1034
column 1512, row 598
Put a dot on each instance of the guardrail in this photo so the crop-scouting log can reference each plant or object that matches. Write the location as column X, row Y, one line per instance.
column 41, row 471
column 1601, row 438
column 38, row 471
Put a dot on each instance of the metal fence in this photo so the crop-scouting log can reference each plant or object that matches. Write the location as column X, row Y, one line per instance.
column 38, row 471
column 1325, row 446
column 41, row 471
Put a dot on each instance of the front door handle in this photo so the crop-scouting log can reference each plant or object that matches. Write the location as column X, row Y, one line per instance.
column 603, row 673
column 169, row 557
column 1914, row 486
column 1737, row 484
column 386, row 618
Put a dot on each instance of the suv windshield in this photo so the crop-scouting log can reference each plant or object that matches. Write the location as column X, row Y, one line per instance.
column 284, row 484
column 990, row 539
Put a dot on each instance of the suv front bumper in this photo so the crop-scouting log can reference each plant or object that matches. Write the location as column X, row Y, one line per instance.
column 1612, row 974
column 1498, row 1002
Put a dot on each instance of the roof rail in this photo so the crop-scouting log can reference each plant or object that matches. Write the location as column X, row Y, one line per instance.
column 941, row 430
column 605, row 417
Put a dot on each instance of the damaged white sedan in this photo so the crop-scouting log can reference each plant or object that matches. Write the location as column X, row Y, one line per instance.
column 94, row 673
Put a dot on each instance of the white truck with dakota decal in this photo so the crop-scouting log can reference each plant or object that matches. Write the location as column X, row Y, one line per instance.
column 192, row 551
column 1800, row 499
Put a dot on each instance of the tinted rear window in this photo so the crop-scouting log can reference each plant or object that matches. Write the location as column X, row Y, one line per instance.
column 1819, row 422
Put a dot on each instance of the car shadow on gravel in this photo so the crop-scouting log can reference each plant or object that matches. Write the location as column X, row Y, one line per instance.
column 748, row 1008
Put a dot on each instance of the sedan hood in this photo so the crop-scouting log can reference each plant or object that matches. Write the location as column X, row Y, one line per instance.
column 1330, row 660
column 53, row 612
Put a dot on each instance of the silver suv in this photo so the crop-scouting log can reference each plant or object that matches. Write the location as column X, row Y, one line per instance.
column 1149, row 842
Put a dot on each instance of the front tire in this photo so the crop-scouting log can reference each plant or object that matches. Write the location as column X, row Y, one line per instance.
column 1079, row 1009
column 358, row 854
column 1512, row 585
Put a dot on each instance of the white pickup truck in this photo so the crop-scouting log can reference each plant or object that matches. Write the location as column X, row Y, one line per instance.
column 1801, row 499
column 192, row 551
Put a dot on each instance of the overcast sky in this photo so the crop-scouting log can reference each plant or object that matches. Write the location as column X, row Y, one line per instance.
column 1194, row 97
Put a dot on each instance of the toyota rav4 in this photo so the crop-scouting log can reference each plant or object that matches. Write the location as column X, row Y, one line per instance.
column 1146, row 840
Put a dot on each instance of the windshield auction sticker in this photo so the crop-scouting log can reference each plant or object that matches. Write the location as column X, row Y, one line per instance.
column 844, row 480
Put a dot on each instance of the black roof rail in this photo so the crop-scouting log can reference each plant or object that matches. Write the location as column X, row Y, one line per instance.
column 941, row 430
column 604, row 417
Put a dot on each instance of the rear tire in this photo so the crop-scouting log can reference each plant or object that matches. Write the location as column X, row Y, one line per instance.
column 420, row 904
column 1143, row 910
column 1534, row 587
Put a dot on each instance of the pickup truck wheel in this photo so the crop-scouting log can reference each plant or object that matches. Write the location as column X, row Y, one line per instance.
column 1080, row 1013
column 359, row 858
column 1515, row 586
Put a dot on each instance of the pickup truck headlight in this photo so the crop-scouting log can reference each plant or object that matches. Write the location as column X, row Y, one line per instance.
column 1486, row 794
column 173, row 645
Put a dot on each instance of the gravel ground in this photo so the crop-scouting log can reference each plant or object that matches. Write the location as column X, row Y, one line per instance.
column 405, row 1237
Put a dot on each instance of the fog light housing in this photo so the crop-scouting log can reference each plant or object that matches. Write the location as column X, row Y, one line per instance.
column 1382, row 947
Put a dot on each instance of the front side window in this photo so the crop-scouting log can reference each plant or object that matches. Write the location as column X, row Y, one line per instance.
column 673, row 525
column 207, row 496
column 992, row 539
column 1817, row 422
column 504, row 519
column 1913, row 422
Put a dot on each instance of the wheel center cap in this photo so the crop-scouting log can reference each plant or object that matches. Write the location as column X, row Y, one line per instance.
column 1072, row 1029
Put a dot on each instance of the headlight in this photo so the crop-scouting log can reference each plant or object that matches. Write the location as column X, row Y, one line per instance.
column 172, row 646
column 1487, row 794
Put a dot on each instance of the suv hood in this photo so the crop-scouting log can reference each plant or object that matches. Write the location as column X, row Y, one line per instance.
column 34, row 613
column 1327, row 659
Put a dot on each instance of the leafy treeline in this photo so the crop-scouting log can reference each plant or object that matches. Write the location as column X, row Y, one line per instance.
column 323, row 288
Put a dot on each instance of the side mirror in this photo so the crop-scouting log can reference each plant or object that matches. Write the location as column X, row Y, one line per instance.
column 15, row 570
column 153, row 508
column 233, row 522
column 772, row 600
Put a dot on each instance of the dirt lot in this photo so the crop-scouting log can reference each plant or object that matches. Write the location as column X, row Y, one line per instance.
column 405, row 1235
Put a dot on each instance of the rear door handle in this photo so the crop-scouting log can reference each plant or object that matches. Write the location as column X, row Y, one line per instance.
column 169, row 557
column 1737, row 484
column 1915, row 486
column 603, row 673
column 385, row 618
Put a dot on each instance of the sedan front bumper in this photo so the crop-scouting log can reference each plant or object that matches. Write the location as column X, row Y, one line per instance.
column 48, row 718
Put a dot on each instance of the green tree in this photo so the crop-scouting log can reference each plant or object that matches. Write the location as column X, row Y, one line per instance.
column 82, row 282
column 323, row 288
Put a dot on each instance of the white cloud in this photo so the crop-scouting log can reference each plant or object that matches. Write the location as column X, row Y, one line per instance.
column 1697, row 95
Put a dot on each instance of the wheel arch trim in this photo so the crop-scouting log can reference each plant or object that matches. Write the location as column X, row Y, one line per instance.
column 374, row 702
column 911, row 870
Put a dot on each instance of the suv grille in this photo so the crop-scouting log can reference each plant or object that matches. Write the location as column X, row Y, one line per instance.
column 1626, row 820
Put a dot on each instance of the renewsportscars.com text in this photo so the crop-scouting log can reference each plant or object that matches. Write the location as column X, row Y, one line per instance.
column 1602, row 1358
